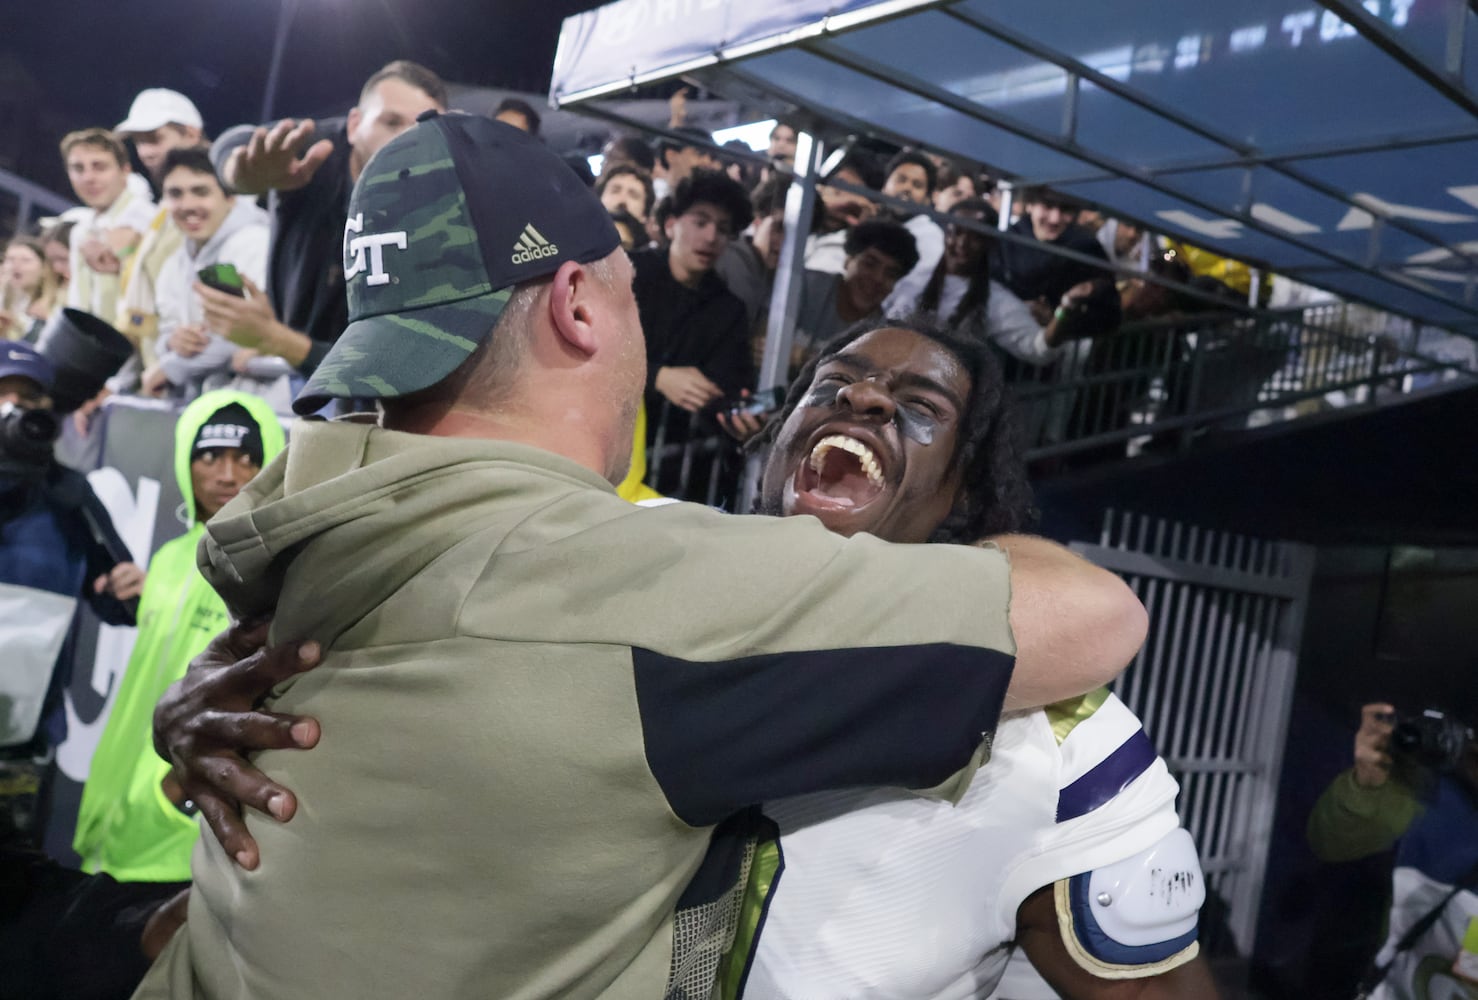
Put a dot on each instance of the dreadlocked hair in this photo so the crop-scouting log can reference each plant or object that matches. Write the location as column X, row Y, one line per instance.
column 995, row 496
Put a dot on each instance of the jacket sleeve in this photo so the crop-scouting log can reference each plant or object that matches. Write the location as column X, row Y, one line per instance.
column 1350, row 822
column 1010, row 324
column 227, row 143
column 104, row 551
column 214, row 358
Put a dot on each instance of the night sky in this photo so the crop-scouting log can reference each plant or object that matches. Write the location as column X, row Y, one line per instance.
column 74, row 63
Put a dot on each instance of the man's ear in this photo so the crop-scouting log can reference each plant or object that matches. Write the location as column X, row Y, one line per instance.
column 352, row 125
column 667, row 225
column 574, row 307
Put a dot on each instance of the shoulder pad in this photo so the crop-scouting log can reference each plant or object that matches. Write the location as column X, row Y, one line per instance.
column 1136, row 917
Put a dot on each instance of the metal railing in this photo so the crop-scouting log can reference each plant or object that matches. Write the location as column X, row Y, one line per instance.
column 1213, row 686
column 1153, row 386
column 1161, row 384
column 23, row 202
column 688, row 459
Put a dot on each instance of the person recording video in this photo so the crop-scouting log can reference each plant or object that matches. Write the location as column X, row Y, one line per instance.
column 1414, row 785
column 57, row 543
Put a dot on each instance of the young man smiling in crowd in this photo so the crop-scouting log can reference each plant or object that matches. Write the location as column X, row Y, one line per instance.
column 912, row 177
column 878, row 253
column 158, row 121
column 218, row 228
column 98, row 167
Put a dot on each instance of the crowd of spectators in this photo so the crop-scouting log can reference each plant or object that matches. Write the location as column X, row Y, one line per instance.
column 223, row 263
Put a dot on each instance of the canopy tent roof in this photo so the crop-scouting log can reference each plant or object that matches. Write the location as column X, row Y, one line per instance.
column 1336, row 143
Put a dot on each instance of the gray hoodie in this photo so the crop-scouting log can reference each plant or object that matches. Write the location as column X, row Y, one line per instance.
column 242, row 240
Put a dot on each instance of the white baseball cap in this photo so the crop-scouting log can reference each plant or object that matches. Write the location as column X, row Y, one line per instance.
column 157, row 108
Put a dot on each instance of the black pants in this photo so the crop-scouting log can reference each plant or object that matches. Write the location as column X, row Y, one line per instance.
column 67, row 935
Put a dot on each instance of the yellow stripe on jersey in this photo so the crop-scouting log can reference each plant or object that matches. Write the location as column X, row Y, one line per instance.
column 756, row 893
column 1065, row 715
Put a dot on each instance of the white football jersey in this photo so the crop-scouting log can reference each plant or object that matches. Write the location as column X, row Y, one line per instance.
column 882, row 893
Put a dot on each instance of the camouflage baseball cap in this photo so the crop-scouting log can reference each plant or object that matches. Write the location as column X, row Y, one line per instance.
column 444, row 221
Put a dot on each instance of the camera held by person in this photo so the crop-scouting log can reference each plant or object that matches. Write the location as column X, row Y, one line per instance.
column 1414, row 787
column 57, row 543
column 1432, row 740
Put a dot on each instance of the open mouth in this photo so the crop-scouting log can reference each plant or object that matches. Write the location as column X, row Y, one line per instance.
column 841, row 473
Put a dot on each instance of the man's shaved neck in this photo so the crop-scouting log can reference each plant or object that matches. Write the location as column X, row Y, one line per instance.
column 563, row 424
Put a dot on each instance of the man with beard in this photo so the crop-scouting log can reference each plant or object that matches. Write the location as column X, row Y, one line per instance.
column 307, row 185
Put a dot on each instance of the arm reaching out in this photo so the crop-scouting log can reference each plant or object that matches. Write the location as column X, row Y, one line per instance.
column 207, row 722
column 269, row 160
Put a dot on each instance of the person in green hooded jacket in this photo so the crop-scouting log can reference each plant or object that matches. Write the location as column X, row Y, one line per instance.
column 133, row 822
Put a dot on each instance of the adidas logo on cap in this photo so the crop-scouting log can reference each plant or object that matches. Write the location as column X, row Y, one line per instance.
column 532, row 246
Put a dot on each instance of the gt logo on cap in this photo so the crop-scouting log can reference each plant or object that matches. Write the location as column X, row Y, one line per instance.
column 375, row 244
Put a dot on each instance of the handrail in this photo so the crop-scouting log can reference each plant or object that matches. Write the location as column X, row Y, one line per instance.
column 31, row 196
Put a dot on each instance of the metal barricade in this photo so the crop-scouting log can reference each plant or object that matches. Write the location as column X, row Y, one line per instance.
column 688, row 459
column 1161, row 383
column 1213, row 686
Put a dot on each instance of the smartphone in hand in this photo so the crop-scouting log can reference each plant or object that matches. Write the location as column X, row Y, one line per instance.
column 759, row 404
column 223, row 278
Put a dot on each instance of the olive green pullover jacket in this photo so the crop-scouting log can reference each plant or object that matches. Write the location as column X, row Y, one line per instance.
column 537, row 702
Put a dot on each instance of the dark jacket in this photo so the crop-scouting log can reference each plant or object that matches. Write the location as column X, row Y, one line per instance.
column 1033, row 273
column 704, row 326
column 49, row 557
column 305, row 272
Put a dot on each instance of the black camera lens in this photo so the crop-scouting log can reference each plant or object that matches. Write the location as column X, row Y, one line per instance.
column 1432, row 740
column 26, row 436
column 85, row 351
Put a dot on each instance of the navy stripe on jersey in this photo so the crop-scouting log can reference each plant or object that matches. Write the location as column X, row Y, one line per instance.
column 723, row 735
column 1108, row 778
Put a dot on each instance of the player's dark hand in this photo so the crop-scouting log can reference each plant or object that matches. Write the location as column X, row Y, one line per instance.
column 208, row 721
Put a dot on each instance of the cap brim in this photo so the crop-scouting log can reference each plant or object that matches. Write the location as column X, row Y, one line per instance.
column 18, row 371
column 392, row 355
column 149, row 123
